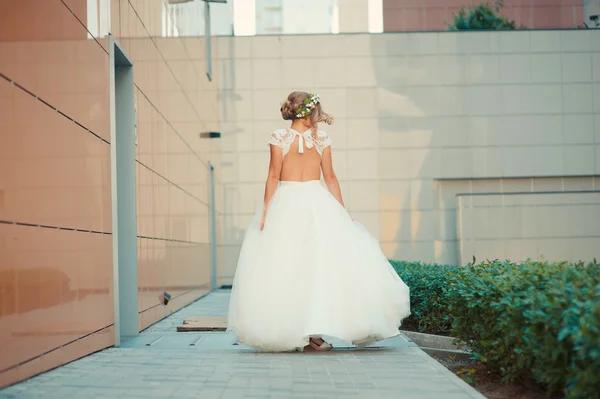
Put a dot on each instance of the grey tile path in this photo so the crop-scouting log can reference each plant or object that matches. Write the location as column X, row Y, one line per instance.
column 162, row 363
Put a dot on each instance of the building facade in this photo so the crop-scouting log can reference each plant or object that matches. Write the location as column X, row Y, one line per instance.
column 295, row 17
column 57, row 292
column 434, row 15
column 424, row 123
column 186, row 18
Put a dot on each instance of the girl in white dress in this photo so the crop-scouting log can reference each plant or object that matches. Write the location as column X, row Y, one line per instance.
column 306, row 270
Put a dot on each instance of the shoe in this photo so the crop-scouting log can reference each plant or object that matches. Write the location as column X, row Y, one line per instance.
column 325, row 346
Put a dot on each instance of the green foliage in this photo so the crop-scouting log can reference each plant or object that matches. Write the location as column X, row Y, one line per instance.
column 483, row 16
column 534, row 320
column 428, row 302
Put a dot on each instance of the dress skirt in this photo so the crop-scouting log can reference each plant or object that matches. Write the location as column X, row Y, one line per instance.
column 313, row 272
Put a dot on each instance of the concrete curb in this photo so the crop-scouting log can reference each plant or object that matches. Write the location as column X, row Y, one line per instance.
column 432, row 341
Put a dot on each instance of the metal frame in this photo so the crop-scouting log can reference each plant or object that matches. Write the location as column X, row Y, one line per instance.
column 207, row 39
column 207, row 35
column 123, row 192
column 213, row 227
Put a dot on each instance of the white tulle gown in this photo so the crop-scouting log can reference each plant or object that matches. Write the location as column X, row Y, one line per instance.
column 312, row 272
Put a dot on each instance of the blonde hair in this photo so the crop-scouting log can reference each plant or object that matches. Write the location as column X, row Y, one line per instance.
column 289, row 109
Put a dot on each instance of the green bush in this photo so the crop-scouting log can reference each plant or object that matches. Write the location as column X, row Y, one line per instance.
column 534, row 320
column 428, row 302
column 483, row 16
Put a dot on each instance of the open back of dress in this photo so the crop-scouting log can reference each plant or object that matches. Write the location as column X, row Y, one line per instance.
column 302, row 153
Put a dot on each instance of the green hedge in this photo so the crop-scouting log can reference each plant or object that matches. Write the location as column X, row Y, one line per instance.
column 533, row 320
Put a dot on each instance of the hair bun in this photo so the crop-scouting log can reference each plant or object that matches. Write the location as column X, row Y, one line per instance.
column 288, row 111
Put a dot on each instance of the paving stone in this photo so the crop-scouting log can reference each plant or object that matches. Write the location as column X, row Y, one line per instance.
column 217, row 369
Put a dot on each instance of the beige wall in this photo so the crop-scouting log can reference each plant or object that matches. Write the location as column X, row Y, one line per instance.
column 555, row 226
column 56, row 281
column 418, row 115
column 433, row 15
column 176, row 103
column 353, row 15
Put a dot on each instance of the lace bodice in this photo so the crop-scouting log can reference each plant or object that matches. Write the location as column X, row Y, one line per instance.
column 283, row 138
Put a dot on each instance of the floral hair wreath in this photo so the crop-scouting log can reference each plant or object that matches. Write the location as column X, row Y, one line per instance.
column 308, row 106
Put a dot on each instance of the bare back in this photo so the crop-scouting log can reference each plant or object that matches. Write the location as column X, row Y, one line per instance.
column 302, row 153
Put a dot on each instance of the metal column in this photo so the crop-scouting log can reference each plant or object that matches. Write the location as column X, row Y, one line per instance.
column 213, row 227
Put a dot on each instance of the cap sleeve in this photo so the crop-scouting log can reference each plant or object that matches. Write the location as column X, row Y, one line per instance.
column 324, row 139
column 276, row 139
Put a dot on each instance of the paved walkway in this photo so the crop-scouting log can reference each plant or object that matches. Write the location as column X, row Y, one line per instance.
column 162, row 363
